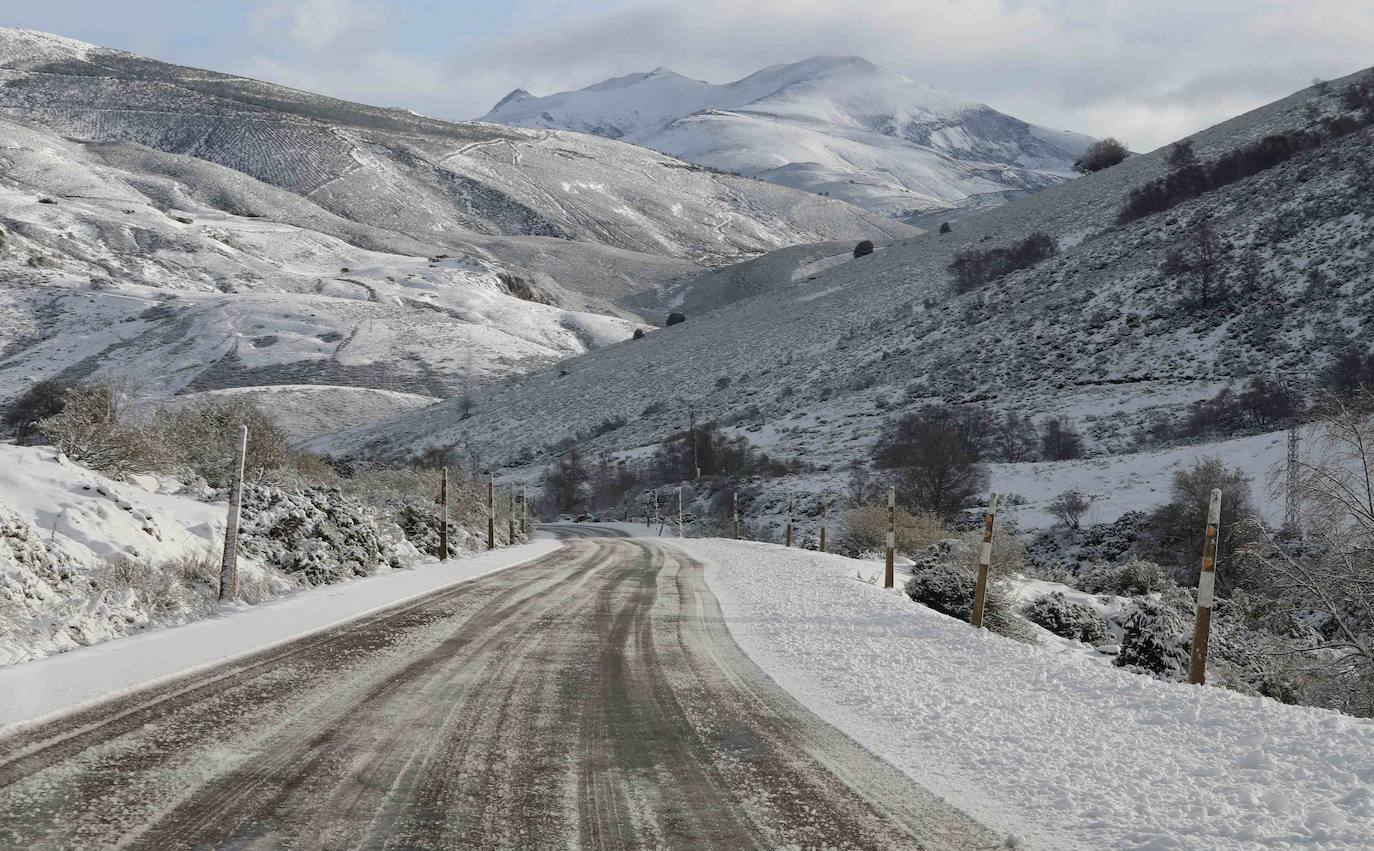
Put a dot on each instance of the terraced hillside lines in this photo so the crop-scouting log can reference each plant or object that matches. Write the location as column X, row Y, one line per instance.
column 1099, row 333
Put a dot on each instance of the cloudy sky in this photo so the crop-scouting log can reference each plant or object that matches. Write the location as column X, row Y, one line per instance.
column 1147, row 71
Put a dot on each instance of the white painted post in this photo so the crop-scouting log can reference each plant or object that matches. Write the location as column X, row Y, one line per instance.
column 229, row 567
column 890, row 557
column 1206, row 584
column 679, row 513
column 980, row 591
column 443, row 515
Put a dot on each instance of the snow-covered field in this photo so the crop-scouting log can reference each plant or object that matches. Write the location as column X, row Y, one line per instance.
column 1039, row 743
column 61, row 683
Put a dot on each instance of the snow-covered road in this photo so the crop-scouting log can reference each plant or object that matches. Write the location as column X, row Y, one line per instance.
column 589, row 698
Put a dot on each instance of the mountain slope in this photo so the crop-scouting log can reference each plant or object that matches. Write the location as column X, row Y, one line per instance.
column 841, row 126
column 1102, row 334
column 212, row 231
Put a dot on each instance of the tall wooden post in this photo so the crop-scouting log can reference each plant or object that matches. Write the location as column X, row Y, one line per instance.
column 734, row 498
column 443, row 515
column 510, row 517
column 823, row 518
column 980, row 591
column 680, row 533
column 491, row 511
column 891, row 551
column 524, row 511
column 1206, row 582
column 229, row 567
column 791, row 504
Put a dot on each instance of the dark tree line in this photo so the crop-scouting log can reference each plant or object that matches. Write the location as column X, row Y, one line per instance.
column 974, row 267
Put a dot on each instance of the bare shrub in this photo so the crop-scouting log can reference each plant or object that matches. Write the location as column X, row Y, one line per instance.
column 1101, row 154
column 1069, row 507
column 864, row 530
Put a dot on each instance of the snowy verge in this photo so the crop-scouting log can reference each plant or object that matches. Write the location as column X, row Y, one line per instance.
column 48, row 687
column 1042, row 744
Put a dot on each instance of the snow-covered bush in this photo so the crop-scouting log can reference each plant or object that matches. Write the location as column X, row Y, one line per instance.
column 1154, row 641
column 316, row 533
column 948, row 588
column 91, row 428
column 1067, row 619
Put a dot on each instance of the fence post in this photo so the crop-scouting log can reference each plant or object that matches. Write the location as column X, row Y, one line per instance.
column 491, row 511
column 229, row 567
column 443, row 515
column 823, row 522
column 791, row 502
column 524, row 511
column 980, row 591
column 510, row 517
column 888, row 579
column 734, row 499
column 1206, row 581
column 679, row 513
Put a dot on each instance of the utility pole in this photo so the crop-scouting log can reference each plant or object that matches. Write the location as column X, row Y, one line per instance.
column 1206, row 582
column 229, row 567
column 823, row 522
column 888, row 579
column 443, row 514
column 790, row 506
column 491, row 511
column 980, row 591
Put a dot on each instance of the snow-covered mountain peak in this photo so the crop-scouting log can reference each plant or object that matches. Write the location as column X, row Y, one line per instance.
column 832, row 125
column 20, row 47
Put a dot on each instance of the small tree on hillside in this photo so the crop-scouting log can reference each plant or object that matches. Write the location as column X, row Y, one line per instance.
column 1177, row 528
column 564, row 483
column 1101, row 154
column 933, row 466
column 1202, row 256
column 1069, row 507
column 1060, row 442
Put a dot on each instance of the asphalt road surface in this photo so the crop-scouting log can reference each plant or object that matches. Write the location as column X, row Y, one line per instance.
column 591, row 699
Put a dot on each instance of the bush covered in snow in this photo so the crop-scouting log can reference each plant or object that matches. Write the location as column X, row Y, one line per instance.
column 316, row 533
column 1067, row 619
column 1155, row 641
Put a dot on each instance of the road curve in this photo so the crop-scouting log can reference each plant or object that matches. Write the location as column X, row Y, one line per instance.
column 589, row 699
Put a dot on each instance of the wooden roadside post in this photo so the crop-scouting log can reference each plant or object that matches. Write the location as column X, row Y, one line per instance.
column 510, row 517
column 734, row 499
column 491, row 511
column 229, row 567
column 680, row 533
column 1206, row 582
column 524, row 511
column 980, row 591
column 891, row 552
column 791, row 504
column 823, row 522
column 443, row 515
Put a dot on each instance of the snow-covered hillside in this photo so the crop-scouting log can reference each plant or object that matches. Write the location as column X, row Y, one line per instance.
column 193, row 230
column 1099, row 334
column 834, row 125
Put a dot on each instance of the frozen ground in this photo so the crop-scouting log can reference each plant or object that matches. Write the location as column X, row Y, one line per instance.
column 1041, row 744
column 63, row 682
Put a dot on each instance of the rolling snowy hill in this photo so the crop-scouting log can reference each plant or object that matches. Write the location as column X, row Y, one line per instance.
column 810, row 358
column 194, row 231
column 839, row 126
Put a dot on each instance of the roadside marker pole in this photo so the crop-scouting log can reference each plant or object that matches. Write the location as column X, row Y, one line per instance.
column 443, row 515
column 734, row 498
column 510, row 517
column 791, row 502
column 229, row 567
column 822, row 523
column 980, row 591
column 679, row 512
column 1206, row 582
column 491, row 511
column 524, row 511
column 891, row 536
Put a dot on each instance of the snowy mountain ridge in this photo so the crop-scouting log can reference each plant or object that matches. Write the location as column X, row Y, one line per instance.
column 196, row 231
column 837, row 125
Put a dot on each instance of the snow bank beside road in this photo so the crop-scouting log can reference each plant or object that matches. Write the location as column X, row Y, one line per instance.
column 1037, row 743
column 45, row 686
